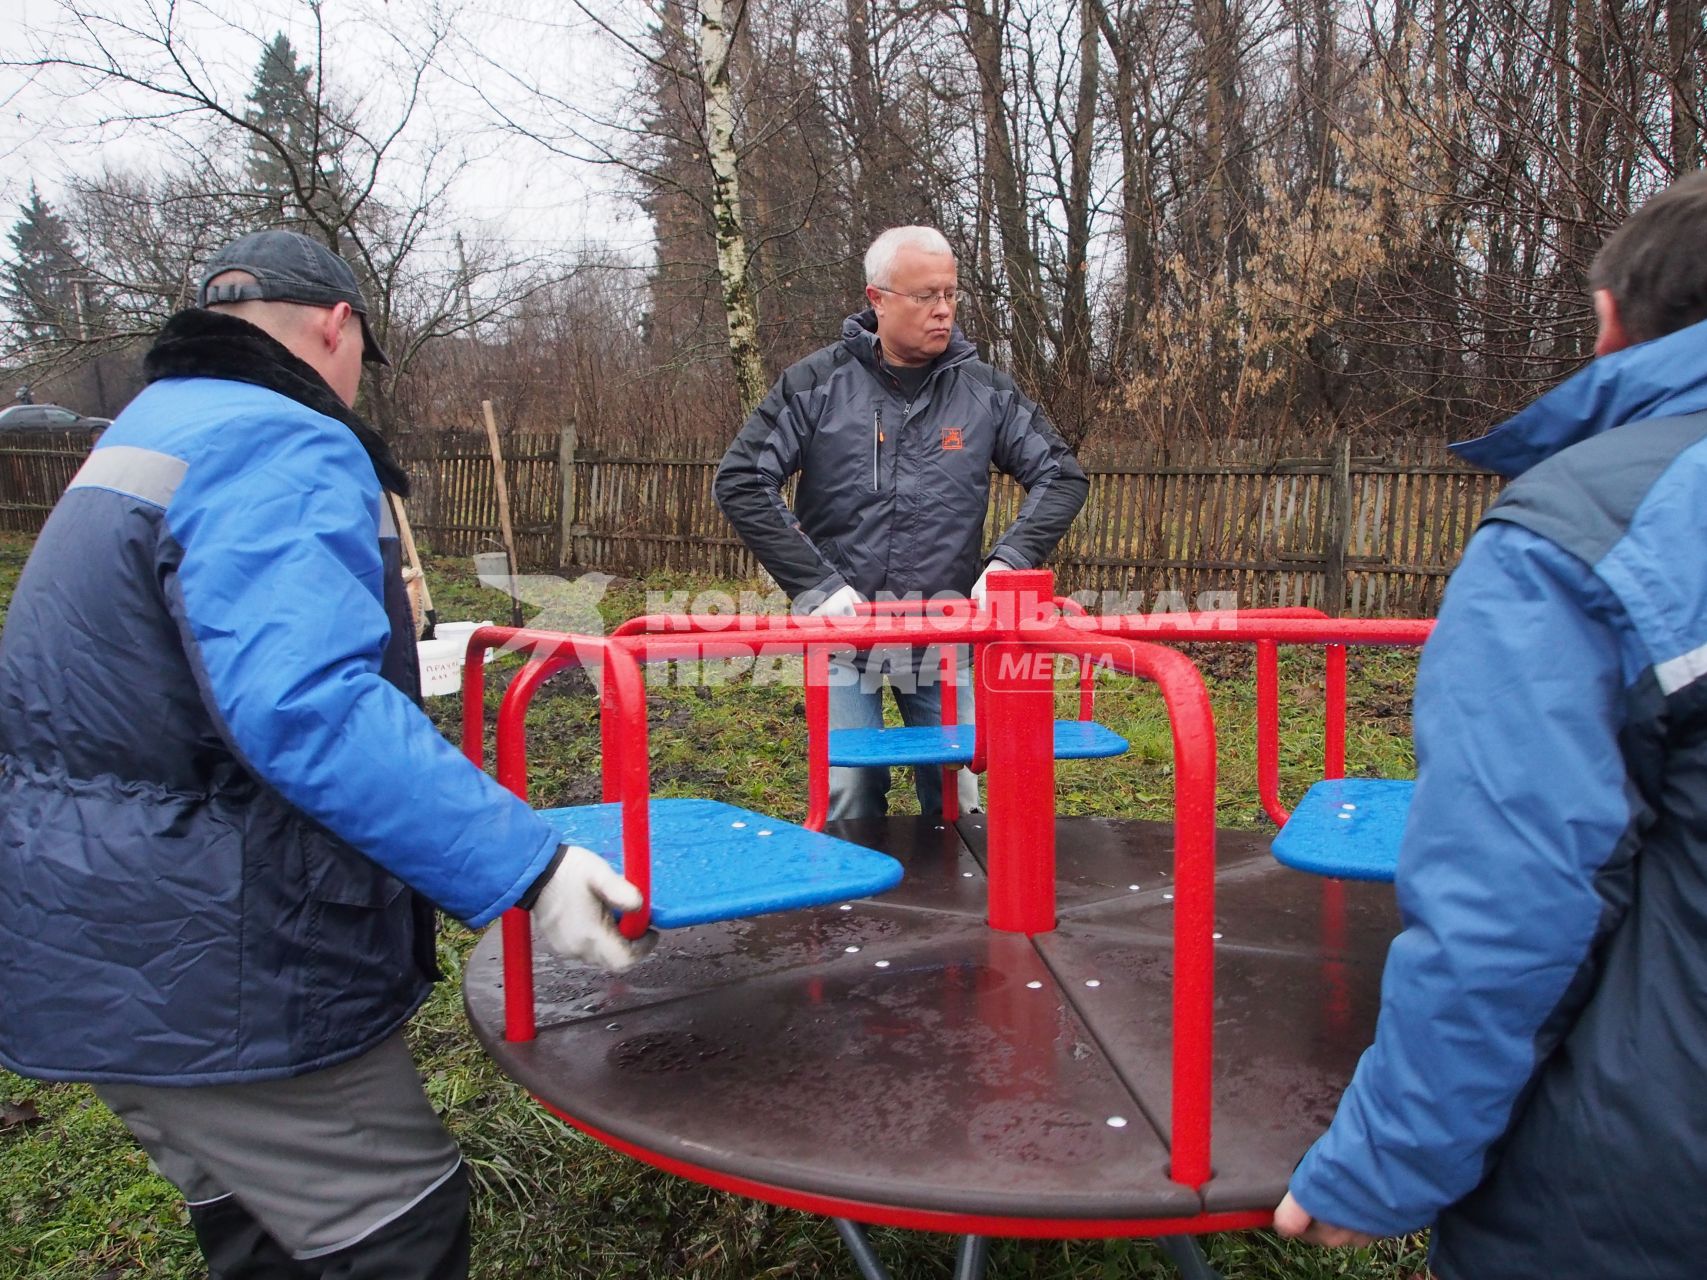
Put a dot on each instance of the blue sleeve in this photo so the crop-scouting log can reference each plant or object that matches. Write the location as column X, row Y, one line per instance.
column 1521, row 797
column 280, row 584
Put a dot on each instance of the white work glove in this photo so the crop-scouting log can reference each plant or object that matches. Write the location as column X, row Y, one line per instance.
column 838, row 604
column 572, row 914
column 979, row 587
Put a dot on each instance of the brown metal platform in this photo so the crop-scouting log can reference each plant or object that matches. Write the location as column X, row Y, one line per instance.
column 898, row 1052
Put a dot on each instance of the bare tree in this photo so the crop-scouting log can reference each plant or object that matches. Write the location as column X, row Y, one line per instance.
column 986, row 39
column 374, row 183
column 1227, row 217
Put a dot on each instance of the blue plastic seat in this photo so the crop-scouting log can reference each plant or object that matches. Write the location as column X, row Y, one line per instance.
column 952, row 744
column 1086, row 740
column 1348, row 828
column 713, row 861
column 914, row 744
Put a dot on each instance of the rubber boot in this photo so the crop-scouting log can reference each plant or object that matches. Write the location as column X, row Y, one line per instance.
column 236, row 1247
column 429, row 1242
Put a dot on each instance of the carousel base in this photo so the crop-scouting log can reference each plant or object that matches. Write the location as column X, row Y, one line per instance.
column 895, row 1061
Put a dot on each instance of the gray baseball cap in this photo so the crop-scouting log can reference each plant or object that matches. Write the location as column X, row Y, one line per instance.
column 288, row 267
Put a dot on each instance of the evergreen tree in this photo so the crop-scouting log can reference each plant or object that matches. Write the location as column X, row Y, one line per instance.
column 294, row 165
column 43, row 278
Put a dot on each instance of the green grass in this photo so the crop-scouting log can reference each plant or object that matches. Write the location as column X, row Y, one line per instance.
column 78, row 1202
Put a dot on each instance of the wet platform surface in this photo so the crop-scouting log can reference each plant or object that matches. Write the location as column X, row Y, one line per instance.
column 896, row 1051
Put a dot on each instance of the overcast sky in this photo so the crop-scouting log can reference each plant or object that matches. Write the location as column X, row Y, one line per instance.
column 519, row 191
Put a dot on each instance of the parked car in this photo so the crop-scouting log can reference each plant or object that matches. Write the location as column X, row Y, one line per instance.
column 47, row 417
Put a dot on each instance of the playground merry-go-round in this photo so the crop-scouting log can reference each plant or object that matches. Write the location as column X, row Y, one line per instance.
column 1006, row 1023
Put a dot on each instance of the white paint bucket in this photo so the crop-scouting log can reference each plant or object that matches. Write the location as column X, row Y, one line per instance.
column 441, row 657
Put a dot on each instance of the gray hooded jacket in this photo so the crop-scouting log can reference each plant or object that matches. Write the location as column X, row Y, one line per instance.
column 893, row 496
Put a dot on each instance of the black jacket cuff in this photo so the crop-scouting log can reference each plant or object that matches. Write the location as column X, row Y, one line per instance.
column 526, row 901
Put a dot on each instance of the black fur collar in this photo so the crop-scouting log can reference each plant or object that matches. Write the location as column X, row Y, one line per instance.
column 197, row 343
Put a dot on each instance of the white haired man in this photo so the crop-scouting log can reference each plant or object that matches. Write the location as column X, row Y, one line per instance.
column 893, row 431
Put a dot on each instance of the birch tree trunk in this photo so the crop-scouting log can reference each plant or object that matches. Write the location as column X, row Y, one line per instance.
column 733, row 258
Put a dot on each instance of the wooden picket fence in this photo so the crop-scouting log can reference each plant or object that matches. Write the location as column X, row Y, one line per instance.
column 1350, row 528
column 35, row 468
column 453, row 504
column 1355, row 530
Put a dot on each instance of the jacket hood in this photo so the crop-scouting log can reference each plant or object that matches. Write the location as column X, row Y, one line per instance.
column 1656, row 379
column 859, row 335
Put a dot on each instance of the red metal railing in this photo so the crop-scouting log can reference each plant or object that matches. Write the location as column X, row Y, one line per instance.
column 626, row 772
column 1192, row 723
column 1267, row 630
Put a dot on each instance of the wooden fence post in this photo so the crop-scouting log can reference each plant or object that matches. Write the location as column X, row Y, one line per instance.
column 1338, row 529
column 566, row 515
column 505, row 526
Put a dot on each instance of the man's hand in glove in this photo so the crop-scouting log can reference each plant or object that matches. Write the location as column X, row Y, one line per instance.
column 572, row 912
column 838, row 604
column 979, row 587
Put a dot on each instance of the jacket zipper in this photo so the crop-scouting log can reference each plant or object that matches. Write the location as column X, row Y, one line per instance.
column 876, row 451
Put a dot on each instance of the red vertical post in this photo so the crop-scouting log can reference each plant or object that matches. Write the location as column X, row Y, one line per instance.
column 1071, row 608
column 980, row 724
column 515, row 924
column 610, row 737
column 950, row 715
column 1194, row 917
column 1333, row 730
column 1268, row 732
column 1016, row 693
column 817, row 737
column 624, row 699
column 474, row 690
column 516, row 927
column 474, row 706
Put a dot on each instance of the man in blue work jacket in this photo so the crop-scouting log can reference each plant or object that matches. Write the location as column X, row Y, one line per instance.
column 1535, row 1086
column 224, row 819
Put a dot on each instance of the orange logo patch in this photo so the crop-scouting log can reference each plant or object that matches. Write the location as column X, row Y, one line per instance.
column 954, row 437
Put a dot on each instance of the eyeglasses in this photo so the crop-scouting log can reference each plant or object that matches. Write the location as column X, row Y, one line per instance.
column 950, row 296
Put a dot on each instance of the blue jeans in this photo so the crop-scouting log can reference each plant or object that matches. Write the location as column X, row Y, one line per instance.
column 856, row 702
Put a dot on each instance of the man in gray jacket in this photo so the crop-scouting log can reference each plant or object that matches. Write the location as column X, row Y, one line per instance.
column 893, row 431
